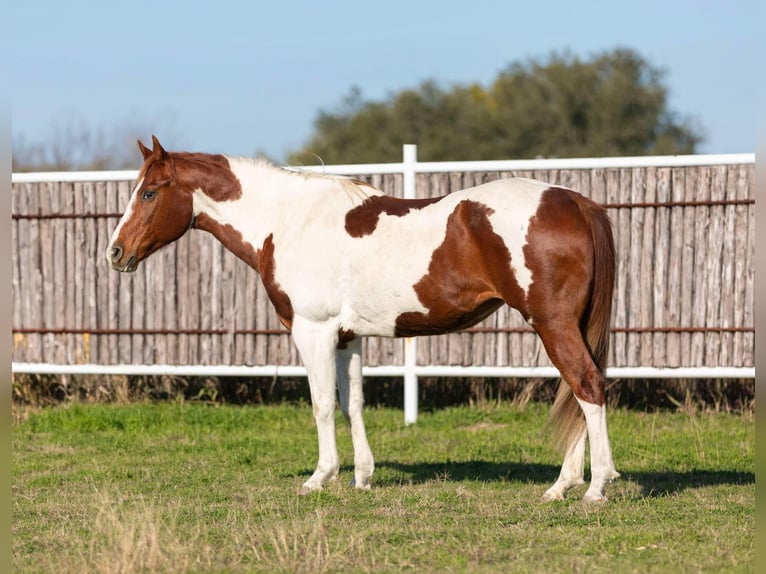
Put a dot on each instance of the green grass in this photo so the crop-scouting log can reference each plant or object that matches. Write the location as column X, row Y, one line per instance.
column 191, row 488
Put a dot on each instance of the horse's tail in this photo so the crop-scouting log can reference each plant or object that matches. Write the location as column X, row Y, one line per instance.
column 566, row 413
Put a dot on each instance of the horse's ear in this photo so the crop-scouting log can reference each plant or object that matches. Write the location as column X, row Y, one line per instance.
column 145, row 151
column 158, row 152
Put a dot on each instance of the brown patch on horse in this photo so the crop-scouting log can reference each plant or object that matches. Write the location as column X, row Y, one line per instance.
column 469, row 276
column 262, row 260
column 344, row 338
column 280, row 299
column 560, row 254
column 363, row 219
column 209, row 172
column 231, row 238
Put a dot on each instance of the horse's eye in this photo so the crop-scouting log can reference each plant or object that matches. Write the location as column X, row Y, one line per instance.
column 148, row 195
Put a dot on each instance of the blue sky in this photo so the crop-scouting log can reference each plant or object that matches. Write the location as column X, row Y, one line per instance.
column 241, row 77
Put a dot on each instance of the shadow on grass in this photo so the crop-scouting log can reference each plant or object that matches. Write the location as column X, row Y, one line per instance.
column 653, row 484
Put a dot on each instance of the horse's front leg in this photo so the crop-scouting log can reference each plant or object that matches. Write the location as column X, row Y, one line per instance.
column 349, row 367
column 316, row 343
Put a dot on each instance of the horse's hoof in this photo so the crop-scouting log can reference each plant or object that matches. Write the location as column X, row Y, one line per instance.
column 305, row 489
column 594, row 498
column 361, row 485
column 551, row 496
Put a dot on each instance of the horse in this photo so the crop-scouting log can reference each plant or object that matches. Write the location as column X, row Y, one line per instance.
column 340, row 260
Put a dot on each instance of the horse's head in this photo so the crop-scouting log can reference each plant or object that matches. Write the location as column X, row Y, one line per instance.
column 159, row 212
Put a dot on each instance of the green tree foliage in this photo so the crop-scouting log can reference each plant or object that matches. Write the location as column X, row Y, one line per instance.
column 610, row 105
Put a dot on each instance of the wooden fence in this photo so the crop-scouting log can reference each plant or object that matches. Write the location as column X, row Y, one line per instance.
column 685, row 240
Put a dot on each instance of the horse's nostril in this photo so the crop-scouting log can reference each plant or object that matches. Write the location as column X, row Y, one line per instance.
column 116, row 253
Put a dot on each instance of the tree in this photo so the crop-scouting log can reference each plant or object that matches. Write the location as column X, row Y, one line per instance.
column 612, row 104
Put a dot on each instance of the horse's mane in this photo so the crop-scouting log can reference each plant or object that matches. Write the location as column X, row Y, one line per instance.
column 356, row 189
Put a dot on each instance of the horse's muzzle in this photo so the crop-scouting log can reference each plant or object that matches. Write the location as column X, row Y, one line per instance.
column 115, row 255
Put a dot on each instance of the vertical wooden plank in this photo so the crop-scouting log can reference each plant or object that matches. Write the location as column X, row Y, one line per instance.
column 183, row 297
column 16, row 288
column 728, row 269
column 490, row 340
column 633, row 182
column 371, row 351
column 69, row 278
column 155, row 308
column 618, row 192
column 32, row 274
column 105, row 288
column 195, row 294
column 687, row 266
column 48, row 315
column 662, row 233
column 229, row 307
column 28, row 272
column 61, row 262
column 170, row 295
column 644, row 190
column 423, row 351
column 517, row 348
column 500, row 344
column 262, row 305
column 250, row 315
column 675, row 266
column 649, row 267
column 241, row 297
column 699, row 290
column 205, row 296
column 748, row 358
column 80, row 284
column 50, row 271
column 713, row 266
column 739, row 191
column 234, row 321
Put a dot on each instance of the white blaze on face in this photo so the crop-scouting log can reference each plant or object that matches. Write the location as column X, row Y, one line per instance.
column 125, row 217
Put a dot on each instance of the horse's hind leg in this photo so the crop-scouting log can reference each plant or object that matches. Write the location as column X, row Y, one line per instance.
column 567, row 350
column 573, row 469
column 349, row 368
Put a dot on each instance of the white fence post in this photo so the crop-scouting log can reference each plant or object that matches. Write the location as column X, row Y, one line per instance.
column 410, row 160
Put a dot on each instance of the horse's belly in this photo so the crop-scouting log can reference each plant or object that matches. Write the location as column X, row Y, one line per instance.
column 417, row 324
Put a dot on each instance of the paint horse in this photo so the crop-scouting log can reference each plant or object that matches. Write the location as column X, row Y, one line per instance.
column 340, row 261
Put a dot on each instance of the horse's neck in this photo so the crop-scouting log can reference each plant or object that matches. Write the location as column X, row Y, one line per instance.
column 272, row 199
column 250, row 212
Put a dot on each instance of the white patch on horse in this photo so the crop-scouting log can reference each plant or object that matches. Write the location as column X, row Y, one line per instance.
column 384, row 266
column 125, row 217
column 601, row 463
column 514, row 202
column 239, row 212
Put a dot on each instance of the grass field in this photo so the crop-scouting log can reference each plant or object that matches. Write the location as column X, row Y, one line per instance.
column 180, row 487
